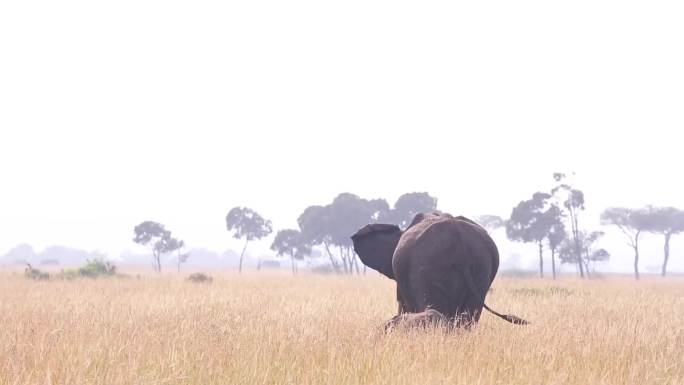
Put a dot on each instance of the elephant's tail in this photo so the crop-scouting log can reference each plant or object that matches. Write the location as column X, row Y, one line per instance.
column 507, row 317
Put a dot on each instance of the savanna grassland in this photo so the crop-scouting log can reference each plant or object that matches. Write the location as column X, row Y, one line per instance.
column 277, row 329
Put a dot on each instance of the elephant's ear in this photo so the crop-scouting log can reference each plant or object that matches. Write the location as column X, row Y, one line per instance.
column 375, row 244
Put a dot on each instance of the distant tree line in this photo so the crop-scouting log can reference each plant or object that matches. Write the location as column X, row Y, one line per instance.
column 551, row 220
column 328, row 227
column 633, row 223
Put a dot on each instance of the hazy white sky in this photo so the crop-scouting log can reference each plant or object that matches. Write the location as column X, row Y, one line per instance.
column 112, row 113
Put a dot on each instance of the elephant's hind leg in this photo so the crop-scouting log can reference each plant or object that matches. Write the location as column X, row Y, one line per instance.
column 467, row 317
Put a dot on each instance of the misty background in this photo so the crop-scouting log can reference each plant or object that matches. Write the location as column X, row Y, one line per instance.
column 113, row 114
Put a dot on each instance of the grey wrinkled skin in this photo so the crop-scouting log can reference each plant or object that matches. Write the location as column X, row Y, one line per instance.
column 443, row 266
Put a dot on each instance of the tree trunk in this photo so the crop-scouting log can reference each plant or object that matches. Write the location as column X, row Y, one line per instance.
column 586, row 261
column 345, row 262
column 636, row 264
column 579, row 256
column 352, row 255
column 242, row 255
column 553, row 263
column 541, row 260
column 334, row 264
column 575, row 235
column 666, row 257
column 293, row 264
column 350, row 260
column 157, row 261
column 636, row 256
column 581, row 267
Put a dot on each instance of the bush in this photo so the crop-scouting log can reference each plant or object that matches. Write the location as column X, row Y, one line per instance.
column 93, row 269
column 35, row 274
column 200, row 278
column 96, row 268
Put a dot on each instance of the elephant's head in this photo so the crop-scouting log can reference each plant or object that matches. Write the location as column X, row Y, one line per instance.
column 375, row 244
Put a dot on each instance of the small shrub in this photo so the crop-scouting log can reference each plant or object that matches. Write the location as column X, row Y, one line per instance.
column 93, row 269
column 200, row 278
column 96, row 268
column 35, row 274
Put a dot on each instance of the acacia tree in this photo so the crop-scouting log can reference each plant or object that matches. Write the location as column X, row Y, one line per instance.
column 490, row 222
column 589, row 254
column 290, row 242
column 332, row 226
column 555, row 237
column 572, row 200
column 531, row 221
column 349, row 213
column 631, row 223
column 407, row 206
column 315, row 224
column 181, row 258
column 159, row 239
column 667, row 221
column 248, row 224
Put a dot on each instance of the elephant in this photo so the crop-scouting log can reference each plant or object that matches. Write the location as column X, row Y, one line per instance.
column 441, row 263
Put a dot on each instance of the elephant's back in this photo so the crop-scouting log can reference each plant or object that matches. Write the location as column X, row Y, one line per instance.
column 446, row 241
column 479, row 243
column 424, row 236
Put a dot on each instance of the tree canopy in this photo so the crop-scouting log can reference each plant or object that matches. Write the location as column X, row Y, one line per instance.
column 534, row 220
column 667, row 221
column 407, row 206
column 291, row 243
column 491, row 222
column 332, row 225
column 631, row 222
column 247, row 224
column 156, row 236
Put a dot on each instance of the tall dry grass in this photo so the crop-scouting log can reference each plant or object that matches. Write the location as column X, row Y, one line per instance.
column 277, row 329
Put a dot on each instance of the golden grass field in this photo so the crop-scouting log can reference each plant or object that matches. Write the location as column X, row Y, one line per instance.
column 277, row 329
